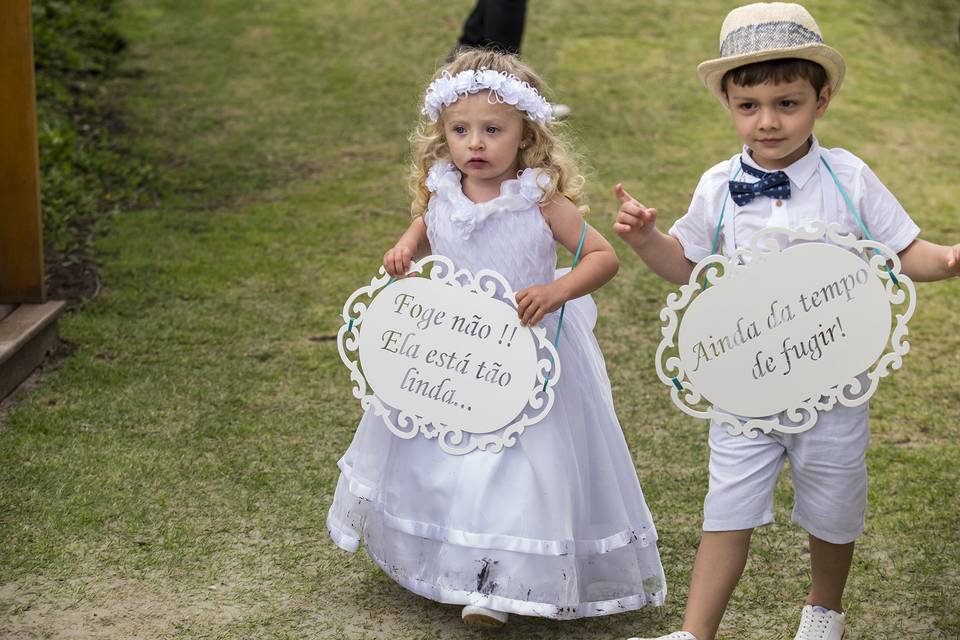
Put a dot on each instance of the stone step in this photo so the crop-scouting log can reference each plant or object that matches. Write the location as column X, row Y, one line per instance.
column 27, row 332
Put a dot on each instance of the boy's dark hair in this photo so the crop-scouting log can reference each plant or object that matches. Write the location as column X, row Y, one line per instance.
column 776, row 71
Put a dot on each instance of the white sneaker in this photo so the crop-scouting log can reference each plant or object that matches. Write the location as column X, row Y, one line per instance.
column 483, row 617
column 676, row 635
column 817, row 624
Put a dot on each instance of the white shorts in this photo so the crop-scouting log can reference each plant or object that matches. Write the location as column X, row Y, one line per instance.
column 827, row 464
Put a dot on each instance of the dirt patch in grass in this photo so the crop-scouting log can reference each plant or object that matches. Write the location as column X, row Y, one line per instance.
column 81, row 609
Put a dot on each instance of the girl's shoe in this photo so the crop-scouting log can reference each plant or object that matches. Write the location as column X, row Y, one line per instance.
column 483, row 617
column 817, row 623
column 676, row 635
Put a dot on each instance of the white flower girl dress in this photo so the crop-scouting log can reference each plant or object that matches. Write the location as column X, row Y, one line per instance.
column 554, row 526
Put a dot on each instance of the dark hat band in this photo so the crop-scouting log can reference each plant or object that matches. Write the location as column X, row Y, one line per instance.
column 766, row 36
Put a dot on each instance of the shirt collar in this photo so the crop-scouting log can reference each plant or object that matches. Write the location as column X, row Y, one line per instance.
column 798, row 172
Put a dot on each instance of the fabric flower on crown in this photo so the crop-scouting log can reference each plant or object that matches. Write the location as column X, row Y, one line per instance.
column 510, row 93
column 509, row 89
column 491, row 79
column 463, row 83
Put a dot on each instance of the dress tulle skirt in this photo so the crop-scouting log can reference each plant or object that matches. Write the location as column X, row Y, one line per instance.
column 554, row 526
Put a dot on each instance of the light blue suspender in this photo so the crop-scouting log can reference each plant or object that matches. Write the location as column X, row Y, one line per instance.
column 846, row 199
column 723, row 211
column 856, row 216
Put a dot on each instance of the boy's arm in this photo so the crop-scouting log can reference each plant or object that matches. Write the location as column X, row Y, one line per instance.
column 636, row 225
column 926, row 262
column 412, row 244
column 890, row 223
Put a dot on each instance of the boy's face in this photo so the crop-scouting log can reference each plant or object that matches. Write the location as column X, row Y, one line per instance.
column 775, row 120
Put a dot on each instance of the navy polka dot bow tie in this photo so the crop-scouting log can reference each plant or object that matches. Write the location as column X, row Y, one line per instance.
column 775, row 184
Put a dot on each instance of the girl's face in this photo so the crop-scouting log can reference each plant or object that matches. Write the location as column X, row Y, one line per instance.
column 484, row 139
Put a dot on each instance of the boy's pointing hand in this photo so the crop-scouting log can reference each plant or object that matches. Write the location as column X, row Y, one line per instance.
column 634, row 222
column 953, row 260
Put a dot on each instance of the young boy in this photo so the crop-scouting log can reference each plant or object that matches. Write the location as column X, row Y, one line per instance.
column 776, row 77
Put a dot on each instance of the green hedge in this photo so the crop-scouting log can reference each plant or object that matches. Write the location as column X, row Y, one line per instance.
column 83, row 172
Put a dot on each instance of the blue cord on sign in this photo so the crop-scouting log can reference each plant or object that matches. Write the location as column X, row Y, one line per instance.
column 556, row 338
column 352, row 320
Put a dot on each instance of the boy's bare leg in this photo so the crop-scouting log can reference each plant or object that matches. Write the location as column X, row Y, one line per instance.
column 720, row 561
column 829, row 567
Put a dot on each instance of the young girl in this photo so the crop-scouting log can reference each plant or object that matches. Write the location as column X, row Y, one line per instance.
column 556, row 525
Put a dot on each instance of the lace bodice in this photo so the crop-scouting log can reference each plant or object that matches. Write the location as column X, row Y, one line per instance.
column 507, row 234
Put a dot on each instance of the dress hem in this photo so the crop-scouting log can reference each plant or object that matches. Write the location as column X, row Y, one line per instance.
column 499, row 542
column 523, row 607
column 337, row 533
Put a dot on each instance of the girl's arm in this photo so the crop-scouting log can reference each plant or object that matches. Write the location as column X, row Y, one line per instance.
column 412, row 244
column 663, row 253
column 598, row 264
column 925, row 262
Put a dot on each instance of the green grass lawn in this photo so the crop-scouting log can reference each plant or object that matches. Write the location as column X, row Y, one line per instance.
column 171, row 478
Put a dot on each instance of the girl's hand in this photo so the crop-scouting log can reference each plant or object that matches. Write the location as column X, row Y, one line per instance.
column 537, row 301
column 635, row 222
column 397, row 260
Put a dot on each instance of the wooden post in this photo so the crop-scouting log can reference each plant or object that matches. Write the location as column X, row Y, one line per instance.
column 27, row 331
column 21, row 228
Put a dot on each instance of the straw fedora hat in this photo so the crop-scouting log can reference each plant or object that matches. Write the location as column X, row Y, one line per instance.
column 770, row 31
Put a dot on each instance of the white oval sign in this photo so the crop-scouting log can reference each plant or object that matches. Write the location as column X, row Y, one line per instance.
column 805, row 319
column 448, row 355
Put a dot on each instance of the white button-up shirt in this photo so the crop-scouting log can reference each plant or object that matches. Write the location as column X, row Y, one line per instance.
column 813, row 196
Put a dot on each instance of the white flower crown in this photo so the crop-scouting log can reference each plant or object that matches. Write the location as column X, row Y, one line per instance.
column 510, row 89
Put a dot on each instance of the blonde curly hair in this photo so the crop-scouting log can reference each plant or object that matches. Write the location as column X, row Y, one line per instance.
column 548, row 149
